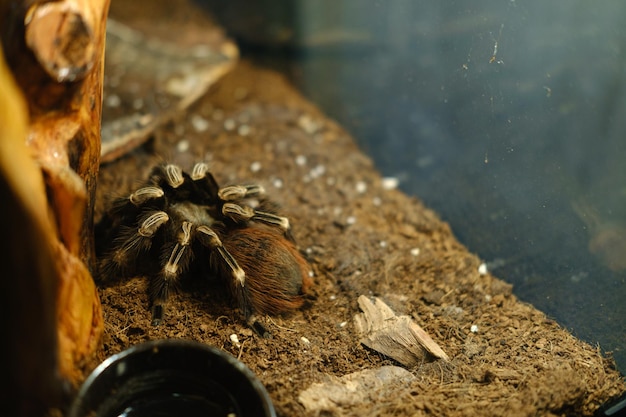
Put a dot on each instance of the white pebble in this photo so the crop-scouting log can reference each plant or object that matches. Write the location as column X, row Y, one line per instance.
column 145, row 119
column 199, row 123
column 318, row 171
column 182, row 145
column 415, row 251
column 301, row 160
column 234, row 340
column 307, row 124
column 277, row 183
column 113, row 100
column 474, row 328
column 255, row 166
column 482, row 269
column 383, row 243
column 305, row 340
column 351, row 220
column 361, row 187
column 390, row 183
column 244, row 130
column 229, row 124
column 343, row 324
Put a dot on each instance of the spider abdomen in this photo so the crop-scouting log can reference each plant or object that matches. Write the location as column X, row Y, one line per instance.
column 277, row 275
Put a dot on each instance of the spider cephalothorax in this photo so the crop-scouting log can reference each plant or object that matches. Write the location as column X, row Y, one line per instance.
column 180, row 223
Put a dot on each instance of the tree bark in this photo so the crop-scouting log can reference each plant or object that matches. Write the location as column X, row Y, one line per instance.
column 55, row 51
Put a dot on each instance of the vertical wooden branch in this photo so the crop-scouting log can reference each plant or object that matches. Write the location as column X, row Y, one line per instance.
column 29, row 355
column 56, row 50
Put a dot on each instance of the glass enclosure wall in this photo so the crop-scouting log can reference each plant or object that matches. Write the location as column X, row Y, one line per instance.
column 508, row 118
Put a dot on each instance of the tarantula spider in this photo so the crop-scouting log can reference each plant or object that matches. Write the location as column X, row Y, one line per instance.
column 185, row 224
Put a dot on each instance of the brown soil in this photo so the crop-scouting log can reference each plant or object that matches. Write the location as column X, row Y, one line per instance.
column 360, row 238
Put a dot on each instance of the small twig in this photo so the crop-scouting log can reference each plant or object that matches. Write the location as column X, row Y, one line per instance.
column 241, row 350
column 282, row 327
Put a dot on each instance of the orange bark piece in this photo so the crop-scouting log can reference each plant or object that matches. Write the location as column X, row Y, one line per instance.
column 56, row 52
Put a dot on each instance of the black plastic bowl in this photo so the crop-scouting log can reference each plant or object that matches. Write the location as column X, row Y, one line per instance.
column 172, row 377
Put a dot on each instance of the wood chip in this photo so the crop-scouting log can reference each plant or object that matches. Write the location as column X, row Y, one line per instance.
column 153, row 79
column 398, row 337
column 355, row 388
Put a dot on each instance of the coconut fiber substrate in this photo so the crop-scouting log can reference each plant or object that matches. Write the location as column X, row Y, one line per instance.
column 361, row 236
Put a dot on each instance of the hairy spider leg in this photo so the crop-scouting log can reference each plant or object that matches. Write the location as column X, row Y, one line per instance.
column 131, row 242
column 246, row 213
column 125, row 211
column 199, row 171
column 276, row 273
column 145, row 194
column 239, row 192
column 238, row 284
column 169, row 175
column 175, row 260
column 210, row 239
column 205, row 185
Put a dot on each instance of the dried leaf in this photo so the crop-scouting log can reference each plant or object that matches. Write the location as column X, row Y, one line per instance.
column 398, row 337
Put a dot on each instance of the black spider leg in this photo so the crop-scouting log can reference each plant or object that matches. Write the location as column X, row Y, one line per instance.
column 123, row 211
column 208, row 195
column 229, row 266
column 175, row 259
column 205, row 190
column 207, row 186
column 243, row 213
column 122, row 241
column 167, row 176
column 176, row 253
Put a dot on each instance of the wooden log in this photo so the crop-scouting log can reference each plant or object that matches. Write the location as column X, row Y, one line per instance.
column 28, row 357
column 70, row 53
column 55, row 51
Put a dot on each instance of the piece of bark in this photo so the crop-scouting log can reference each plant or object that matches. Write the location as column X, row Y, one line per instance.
column 55, row 51
column 63, row 93
column 360, row 387
column 153, row 76
column 398, row 337
column 61, row 36
column 28, row 356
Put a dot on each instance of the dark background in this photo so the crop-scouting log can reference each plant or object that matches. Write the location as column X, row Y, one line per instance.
column 508, row 118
